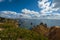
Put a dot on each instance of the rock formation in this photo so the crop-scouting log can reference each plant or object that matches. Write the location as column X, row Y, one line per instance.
column 42, row 28
column 54, row 33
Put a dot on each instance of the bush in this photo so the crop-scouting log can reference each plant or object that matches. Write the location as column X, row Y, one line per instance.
column 13, row 33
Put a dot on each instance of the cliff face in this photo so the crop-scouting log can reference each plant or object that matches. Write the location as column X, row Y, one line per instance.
column 54, row 33
column 42, row 28
column 6, row 21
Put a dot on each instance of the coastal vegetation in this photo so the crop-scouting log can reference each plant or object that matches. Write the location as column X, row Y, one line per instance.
column 17, row 33
column 9, row 31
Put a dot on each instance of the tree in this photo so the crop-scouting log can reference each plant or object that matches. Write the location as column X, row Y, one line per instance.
column 45, row 25
column 41, row 23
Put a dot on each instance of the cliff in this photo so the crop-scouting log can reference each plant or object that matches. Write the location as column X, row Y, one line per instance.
column 9, row 30
column 41, row 29
column 54, row 33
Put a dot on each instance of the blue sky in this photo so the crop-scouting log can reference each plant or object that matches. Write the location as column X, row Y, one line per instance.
column 18, row 5
column 31, row 9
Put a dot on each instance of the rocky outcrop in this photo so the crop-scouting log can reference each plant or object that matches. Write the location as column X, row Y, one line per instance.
column 42, row 28
column 54, row 33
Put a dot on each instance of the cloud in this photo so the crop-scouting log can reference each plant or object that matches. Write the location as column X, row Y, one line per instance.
column 25, row 14
column 5, row 0
column 49, row 11
column 1, row 0
column 8, row 14
column 31, row 13
column 46, row 6
column 57, row 3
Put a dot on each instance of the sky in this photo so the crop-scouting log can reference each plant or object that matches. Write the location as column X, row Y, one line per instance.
column 18, row 5
column 30, row 9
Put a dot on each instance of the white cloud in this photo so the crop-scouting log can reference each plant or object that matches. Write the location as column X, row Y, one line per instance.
column 49, row 11
column 2, row 0
column 8, row 14
column 57, row 3
column 31, row 13
column 46, row 6
column 25, row 14
column 43, row 4
column 5, row 0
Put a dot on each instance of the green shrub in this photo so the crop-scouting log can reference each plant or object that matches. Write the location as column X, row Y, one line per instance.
column 13, row 33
